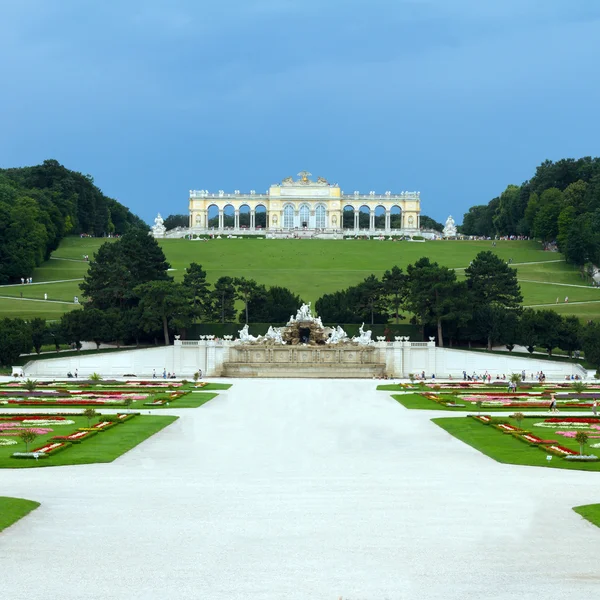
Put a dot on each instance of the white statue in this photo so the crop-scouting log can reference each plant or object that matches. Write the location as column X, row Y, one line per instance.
column 450, row 227
column 245, row 336
column 274, row 334
column 317, row 321
column 304, row 313
column 337, row 335
column 364, row 338
column 159, row 229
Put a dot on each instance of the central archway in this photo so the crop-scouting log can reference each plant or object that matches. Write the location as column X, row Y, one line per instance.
column 380, row 217
column 288, row 216
column 304, row 216
column 244, row 216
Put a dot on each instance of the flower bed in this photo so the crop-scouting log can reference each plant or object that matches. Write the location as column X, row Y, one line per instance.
column 505, row 428
column 557, row 450
column 485, row 419
column 74, row 438
column 532, row 439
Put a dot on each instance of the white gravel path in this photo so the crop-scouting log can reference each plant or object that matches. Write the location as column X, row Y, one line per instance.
column 296, row 490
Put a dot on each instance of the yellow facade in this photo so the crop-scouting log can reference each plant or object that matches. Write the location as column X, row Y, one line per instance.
column 304, row 204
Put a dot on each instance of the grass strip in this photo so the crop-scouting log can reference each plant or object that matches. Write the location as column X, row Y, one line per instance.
column 102, row 448
column 505, row 448
column 590, row 512
column 13, row 509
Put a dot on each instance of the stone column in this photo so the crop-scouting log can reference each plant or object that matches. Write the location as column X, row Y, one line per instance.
column 371, row 220
column 252, row 218
column 268, row 220
column 236, row 219
column 356, row 219
column 388, row 220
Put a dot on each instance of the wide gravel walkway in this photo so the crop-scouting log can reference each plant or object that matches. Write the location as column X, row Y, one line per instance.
column 309, row 489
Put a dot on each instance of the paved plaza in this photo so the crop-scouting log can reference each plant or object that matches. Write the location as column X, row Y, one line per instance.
column 298, row 490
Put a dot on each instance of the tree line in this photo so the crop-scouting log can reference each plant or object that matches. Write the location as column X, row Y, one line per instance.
column 40, row 205
column 129, row 297
column 560, row 203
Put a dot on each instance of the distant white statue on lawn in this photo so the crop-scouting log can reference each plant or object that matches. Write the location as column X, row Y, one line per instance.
column 159, row 229
column 450, row 227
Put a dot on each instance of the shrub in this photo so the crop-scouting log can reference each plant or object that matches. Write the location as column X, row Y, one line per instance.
column 95, row 377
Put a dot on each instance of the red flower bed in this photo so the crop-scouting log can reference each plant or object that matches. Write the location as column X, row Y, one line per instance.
column 507, row 428
column 49, row 448
column 557, row 449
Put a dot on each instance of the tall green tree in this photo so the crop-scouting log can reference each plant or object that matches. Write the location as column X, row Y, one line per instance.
column 590, row 341
column 194, row 279
column 245, row 290
column 493, row 288
column 434, row 295
column 223, row 300
column 15, row 339
column 164, row 303
column 395, row 288
column 120, row 266
column 39, row 333
column 273, row 305
column 371, row 297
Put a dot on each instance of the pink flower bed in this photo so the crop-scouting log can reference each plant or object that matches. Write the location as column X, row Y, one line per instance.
column 37, row 430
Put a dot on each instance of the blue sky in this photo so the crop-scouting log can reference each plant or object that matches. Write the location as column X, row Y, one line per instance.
column 454, row 98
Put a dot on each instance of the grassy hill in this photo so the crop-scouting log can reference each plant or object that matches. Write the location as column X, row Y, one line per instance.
column 310, row 268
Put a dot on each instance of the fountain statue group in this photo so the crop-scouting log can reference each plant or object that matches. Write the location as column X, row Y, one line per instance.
column 275, row 335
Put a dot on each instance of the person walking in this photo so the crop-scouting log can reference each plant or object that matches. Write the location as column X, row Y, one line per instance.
column 595, row 407
column 553, row 407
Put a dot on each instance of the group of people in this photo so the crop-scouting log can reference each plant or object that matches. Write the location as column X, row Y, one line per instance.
column 71, row 375
column 25, row 280
column 165, row 375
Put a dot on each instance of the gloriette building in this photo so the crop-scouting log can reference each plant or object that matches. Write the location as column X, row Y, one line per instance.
column 304, row 205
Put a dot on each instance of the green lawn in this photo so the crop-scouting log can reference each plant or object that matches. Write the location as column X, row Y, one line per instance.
column 13, row 509
column 27, row 309
column 311, row 268
column 418, row 402
column 103, row 447
column 192, row 400
column 591, row 512
column 505, row 448
column 216, row 386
